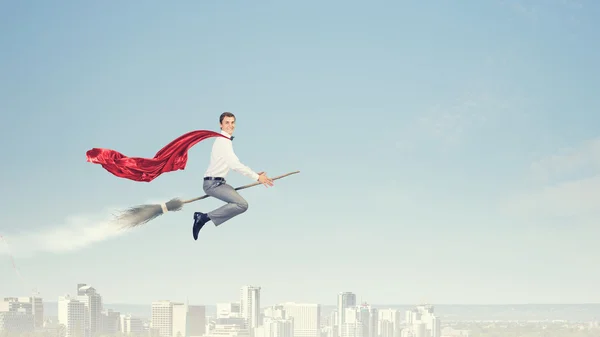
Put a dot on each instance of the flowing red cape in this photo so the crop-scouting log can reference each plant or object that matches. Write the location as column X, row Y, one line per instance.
column 172, row 157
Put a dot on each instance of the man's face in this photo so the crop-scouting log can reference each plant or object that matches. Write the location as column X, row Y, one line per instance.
column 228, row 125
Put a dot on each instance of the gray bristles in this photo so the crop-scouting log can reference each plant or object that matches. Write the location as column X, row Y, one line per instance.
column 139, row 215
column 174, row 205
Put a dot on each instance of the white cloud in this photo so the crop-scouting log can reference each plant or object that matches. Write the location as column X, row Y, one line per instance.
column 450, row 124
column 584, row 159
column 523, row 8
column 576, row 199
column 571, row 186
column 564, row 12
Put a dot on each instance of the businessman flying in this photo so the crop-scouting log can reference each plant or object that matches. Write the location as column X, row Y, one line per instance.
column 222, row 160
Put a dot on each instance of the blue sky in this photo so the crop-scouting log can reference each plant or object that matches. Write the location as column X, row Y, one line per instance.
column 449, row 153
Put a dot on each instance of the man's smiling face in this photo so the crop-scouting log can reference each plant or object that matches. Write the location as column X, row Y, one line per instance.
column 228, row 125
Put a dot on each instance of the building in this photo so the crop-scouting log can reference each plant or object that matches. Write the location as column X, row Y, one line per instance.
column 72, row 316
column 345, row 300
column 93, row 308
column 162, row 318
column 250, row 306
column 131, row 325
column 306, row 318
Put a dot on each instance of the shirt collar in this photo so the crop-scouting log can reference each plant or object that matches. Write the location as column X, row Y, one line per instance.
column 226, row 134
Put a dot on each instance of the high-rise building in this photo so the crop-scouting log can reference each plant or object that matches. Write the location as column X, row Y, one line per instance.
column 33, row 305
column 228, row 310
column 111, row 322
column 386, row 328
column 93, row 308
column 188, row 320
column 162, row 318
column 306, row 318
column 278, row 327
column 369, row 316
column 180, row 320
column 16, row 322
column 345, row 300
column 353, row 326
column 361, row 321
column 422, row 320
column 71, row 315
column 276, row 322
column 196, row 325
column 131, row 325
column 389, row 323
column 14, row 304
column 250, row 305
column 16, row 315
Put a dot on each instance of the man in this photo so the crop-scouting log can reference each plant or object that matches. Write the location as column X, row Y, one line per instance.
column 223, row 159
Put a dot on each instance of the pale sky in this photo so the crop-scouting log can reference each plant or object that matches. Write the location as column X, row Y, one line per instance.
column 449, row 153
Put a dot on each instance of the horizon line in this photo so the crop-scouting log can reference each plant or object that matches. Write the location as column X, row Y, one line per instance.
column 371, row 304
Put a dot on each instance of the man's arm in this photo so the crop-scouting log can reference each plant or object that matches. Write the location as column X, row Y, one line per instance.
column 234, row 162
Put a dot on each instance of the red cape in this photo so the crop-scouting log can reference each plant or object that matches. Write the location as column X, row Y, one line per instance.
column 172, row 157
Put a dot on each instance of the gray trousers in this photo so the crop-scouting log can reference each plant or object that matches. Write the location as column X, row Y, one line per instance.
column 236, row 204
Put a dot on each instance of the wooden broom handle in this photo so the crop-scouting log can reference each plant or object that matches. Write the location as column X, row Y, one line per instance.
column 241, row 187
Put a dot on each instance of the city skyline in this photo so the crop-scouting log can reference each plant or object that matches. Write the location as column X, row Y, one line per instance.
column 334, row 305
column 86, row 314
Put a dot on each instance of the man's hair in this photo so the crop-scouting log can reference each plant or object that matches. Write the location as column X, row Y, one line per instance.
column 225, row 114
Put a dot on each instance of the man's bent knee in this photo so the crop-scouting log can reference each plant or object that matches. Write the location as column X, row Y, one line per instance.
column 243, row 205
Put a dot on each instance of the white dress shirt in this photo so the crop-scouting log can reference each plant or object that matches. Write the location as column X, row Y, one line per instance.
column 223, row 159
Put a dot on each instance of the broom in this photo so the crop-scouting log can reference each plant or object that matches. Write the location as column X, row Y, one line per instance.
column 139, row 215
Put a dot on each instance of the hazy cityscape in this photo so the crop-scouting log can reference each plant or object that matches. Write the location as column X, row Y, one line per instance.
column 83, row 313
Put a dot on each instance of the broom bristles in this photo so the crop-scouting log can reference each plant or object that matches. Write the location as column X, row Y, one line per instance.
column 139, row 215
column 174, row 204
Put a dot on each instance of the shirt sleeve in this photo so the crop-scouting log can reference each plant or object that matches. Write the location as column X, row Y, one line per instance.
column 234, row 162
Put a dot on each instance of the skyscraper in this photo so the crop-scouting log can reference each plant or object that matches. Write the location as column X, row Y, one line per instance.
column 71, row 314
column 197, row 320
column 306, row 318
column 162, row 317
column 93, row 308
column 250, row 305
column 345, row 300
column 422, row 320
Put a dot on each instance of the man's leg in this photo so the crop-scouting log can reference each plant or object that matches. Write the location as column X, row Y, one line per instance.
column 236, row 205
